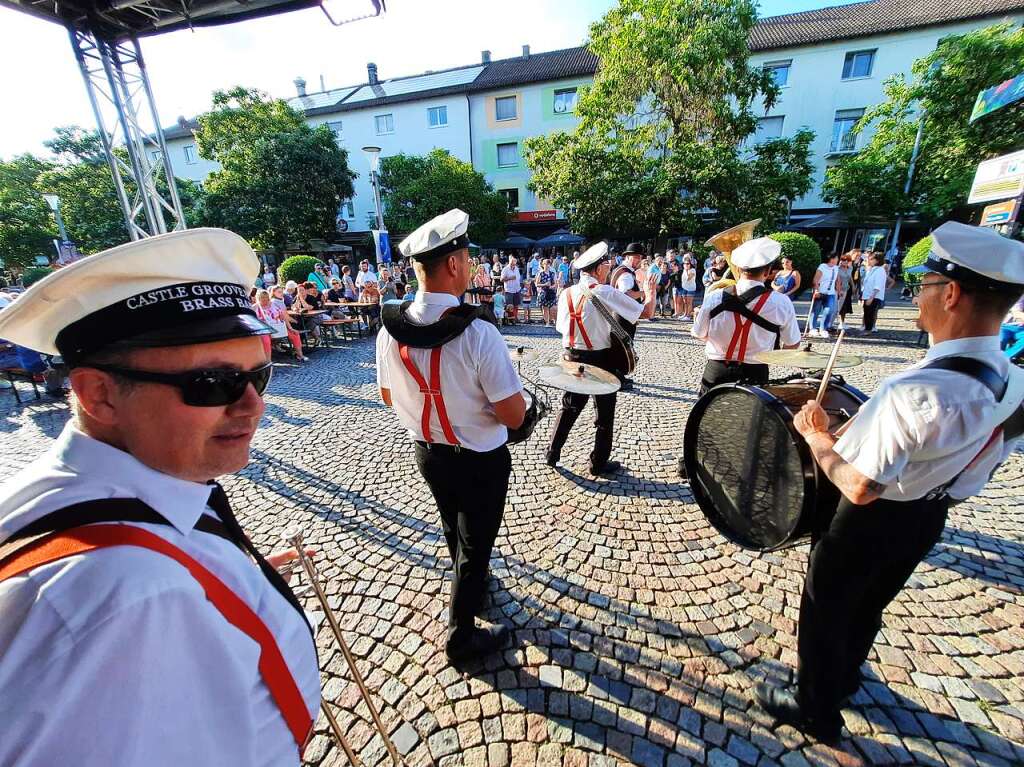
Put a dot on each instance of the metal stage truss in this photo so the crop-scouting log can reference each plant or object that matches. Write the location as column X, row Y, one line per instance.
column 105, row 39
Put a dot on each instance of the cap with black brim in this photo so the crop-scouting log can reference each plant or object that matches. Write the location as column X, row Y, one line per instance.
column 438, row 237
column 975, row 256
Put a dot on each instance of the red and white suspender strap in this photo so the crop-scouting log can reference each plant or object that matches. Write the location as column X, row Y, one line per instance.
column 272, row 667
column 741, row 333
column 431, row 393
column 576, row 317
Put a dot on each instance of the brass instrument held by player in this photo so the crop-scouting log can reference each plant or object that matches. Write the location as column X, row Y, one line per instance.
column 726, row 242
column 294, row 538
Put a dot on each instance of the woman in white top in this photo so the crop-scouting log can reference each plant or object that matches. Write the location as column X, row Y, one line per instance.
column 689, row 288
column 824, row 296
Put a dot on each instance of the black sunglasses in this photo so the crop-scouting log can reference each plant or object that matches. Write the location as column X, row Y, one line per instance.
column 202, row 388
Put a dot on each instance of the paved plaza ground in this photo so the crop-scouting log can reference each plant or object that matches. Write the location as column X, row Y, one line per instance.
column 638, row 630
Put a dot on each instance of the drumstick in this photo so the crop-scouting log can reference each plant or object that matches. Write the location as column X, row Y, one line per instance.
column 828, row 368
column 810, row 311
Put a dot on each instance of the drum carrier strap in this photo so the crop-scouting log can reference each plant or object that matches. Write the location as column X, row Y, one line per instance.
column 55, row 536
column 1011, row 428
column 576, row 318
column 738, row 306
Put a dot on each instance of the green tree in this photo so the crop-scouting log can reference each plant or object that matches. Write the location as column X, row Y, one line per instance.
column 27, row 227
column 662, row 130
column 414, row 189
column 944, row 84
column 281, row 181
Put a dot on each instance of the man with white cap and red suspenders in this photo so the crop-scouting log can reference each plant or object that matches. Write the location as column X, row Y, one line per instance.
column 138, row 624
column 586, row 337
column 929, row 437
column 445, row 369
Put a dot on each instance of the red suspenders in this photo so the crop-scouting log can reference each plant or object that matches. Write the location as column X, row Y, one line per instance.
column 431, row 393
column 576, row 317
column 275, row 672
column 742, row 331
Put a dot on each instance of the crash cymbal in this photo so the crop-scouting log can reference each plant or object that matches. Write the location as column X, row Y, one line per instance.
column 806, row 359
column 523, row 353
column 579, row 378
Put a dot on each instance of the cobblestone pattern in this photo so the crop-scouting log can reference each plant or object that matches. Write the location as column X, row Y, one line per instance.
column 638, row 631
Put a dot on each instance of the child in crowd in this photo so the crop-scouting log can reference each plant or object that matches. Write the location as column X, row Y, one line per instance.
column 499, row 307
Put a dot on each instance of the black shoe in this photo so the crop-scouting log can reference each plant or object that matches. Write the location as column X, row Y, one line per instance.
column 782, row 705
column 551, row 459
column 610, row 467
column 681, row 469
column 477, row 644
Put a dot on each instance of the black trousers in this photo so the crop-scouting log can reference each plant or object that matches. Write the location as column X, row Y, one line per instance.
column 857, row 567
column 572, row 406
column 469, row 489
column 719, row 372
column 871, row 314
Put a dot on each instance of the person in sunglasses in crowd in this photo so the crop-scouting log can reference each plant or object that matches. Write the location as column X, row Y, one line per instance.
column 138, row 624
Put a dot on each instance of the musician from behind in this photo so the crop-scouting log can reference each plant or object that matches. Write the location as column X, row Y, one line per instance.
column 587, row 337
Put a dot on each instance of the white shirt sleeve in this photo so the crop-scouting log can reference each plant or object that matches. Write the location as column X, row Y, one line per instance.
column 383, row 372
column 625, row 282
column 884, row 435
column 702, row 322
column 619, row 303
column 498, row 376
column 790, row 332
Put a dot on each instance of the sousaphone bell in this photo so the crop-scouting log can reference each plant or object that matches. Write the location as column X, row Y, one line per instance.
column 726, row 242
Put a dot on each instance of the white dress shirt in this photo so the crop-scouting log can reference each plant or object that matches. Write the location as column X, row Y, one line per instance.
column 827, row 283
column 924, row 426
column 874, row 283
column 718, row 332
column 627, row 282
column 476, row 371
column 598, row 330
column 362, row 277
column 514, row 284
column 115, row 656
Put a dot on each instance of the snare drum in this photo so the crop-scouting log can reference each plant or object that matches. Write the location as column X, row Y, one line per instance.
column 751, row 472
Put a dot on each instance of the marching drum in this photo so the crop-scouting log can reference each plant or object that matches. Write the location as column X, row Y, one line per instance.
column 751, row 472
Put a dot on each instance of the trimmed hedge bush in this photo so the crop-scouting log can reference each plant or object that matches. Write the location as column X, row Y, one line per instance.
column 296, row 268
column 916, row 256
column 804, row 252
column 33, row 274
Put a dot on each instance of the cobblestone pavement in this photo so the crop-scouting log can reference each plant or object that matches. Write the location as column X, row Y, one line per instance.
column 638, row 631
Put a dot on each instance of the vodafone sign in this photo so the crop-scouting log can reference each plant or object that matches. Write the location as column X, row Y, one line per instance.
column 536, row 215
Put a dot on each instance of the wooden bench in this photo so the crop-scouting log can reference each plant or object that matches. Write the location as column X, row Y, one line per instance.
column 20, row 374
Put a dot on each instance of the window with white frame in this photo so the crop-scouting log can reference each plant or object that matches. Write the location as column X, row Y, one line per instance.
column 348, row 209
column 437, row 117
column 858, row 64
column 155, row 157
column 779, row 70
column 384, row 124
column 505, row 108
column 335, row 127
column 190, row 154
column 768, row 128
column 508, row 155
column 843, row 137
column 511, row 198
column 565, row 101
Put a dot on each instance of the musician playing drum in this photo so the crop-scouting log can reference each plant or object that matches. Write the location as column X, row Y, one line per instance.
column 151, row 638
column 587, row 338
column 447, row 373
column 929, row 437
column 739, row 321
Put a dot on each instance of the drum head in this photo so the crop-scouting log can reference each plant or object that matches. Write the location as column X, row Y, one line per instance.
column 751, row 473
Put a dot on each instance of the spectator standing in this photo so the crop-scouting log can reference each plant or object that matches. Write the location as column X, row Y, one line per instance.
column 563, row 274
column 482, row 282
column 844, row 289
column 689, row 287
column 512, row 287
column 533, row 267
column 873, row 291
column 787, row 280
column 388, row 289
column 335, row 271
column 499, row 307
column 824, row 295
column 268, row 277
column 348, row 285
column 546, row 279
column 365, row 273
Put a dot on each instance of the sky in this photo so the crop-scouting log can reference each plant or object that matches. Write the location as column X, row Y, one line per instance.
column 42, row 88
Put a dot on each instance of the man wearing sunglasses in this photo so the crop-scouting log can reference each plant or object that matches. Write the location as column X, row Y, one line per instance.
column 138, row 624
column 930, row 437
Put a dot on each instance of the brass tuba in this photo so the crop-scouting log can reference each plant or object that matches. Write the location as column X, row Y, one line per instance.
column 726, row 242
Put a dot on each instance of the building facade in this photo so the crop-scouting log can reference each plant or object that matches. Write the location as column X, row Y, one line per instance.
column 831, row 64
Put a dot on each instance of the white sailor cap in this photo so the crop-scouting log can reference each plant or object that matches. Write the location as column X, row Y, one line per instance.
column 596, row 252
column 975, row 255
column 175, row 289
column 753, row 254
column 438, row 237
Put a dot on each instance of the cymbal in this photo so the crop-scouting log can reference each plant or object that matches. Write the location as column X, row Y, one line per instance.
column 523, row 353
column 579, row 378
column 806, row 359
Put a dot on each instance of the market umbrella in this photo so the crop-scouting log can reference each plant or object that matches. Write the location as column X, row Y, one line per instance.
column 514, row 241
column 563, row 237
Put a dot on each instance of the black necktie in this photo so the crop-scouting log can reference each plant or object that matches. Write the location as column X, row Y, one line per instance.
column 219, row 503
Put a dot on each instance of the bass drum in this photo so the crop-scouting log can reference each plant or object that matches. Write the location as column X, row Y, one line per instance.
column 751, row 472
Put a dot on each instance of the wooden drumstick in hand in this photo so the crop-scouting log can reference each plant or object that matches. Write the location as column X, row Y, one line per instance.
column 828, row 368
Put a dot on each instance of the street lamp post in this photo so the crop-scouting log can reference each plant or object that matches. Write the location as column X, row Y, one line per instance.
column 373, row 158
column 54, row 202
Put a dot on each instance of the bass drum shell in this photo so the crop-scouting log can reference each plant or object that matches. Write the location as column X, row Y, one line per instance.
column 751, row 472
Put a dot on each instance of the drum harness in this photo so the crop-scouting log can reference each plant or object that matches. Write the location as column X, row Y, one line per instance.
column 739, row 306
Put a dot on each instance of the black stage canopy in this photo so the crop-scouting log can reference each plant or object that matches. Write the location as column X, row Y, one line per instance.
column 116, row 20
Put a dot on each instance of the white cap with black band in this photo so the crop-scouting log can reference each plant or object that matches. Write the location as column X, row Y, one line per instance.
column 976, row 256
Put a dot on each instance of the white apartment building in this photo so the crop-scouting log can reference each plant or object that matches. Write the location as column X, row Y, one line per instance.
column 831, row 63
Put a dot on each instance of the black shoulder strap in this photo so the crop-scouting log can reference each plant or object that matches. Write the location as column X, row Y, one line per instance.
column 979, row 371
column 738, row 304
column 96, row 511
column 449, row 327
